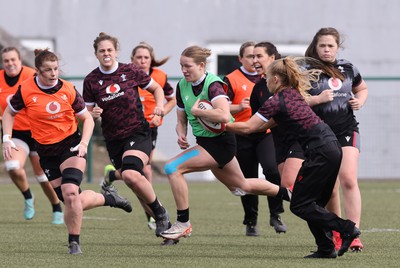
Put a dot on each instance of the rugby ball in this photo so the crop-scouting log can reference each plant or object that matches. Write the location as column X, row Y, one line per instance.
column 210, row 126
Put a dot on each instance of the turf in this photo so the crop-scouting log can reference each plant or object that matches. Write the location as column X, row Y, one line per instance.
column 112, row 238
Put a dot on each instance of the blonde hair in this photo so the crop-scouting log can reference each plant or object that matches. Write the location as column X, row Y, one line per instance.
column 198, row 54
column 294, row 75
column 154, row 62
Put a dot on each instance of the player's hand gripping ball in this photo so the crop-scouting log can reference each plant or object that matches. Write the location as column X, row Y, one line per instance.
column 208, row 125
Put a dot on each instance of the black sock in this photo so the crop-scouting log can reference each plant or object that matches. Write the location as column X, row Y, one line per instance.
column 283, row 193
column 57, row 207
column 73, row 237
column 111, row 175
column 148, row 216
column 157, row 208
column 182, row 215
column 27, row 194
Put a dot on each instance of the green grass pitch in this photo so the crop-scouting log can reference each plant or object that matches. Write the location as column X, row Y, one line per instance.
column 113, row 238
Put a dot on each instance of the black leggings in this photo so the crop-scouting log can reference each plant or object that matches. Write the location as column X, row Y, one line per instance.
column 313, row 189
column 251, row 151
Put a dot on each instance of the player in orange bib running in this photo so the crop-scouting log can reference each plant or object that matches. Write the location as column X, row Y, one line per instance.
column 13, row 74
column 254, row 149
column 52, row 105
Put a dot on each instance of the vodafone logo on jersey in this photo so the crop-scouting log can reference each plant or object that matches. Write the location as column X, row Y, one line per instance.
column 53, row 107
column 114, row 91
column 335, row 83
column 113, row 88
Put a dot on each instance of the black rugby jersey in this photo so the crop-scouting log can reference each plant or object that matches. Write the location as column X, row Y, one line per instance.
column 296, row 118
column 338, row 113
column 258, row 96
column 117, row 94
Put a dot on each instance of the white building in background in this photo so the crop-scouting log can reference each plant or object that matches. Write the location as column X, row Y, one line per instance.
column 370, row 29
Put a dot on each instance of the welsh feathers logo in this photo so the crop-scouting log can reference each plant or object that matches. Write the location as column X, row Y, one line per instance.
column 113, row 88
column 335, row 83
column 53, row 107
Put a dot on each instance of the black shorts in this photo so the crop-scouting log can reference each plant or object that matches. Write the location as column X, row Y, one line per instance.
column 154, row 134
column 293, row 151
column 350, row 138
column 140, row 141
column 50, row 163
column 59, row 148
column 25, row 136
column 222, row 148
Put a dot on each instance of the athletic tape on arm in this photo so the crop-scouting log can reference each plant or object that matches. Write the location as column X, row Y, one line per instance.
column 238, row 192
column 41, row 178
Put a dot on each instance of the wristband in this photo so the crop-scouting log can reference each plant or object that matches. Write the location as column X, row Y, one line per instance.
column 7, row 138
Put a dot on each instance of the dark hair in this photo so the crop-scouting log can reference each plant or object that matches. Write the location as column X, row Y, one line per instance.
column 312, row 50
column 8, row 49
column 270, row 49
column 102, row 37
column 42, row 55
column 244, row 46
column 154, row 62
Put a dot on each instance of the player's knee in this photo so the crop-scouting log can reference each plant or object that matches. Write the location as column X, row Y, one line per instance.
column 12, row 165
column 131, row 162
column 170, row 168
column 238, row 192
column 41, row 178
column 72, row 175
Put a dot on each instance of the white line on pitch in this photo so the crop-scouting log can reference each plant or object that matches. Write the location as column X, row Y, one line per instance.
column 376, row 230
column 99, row 218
